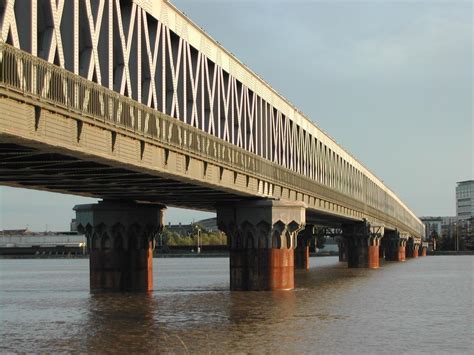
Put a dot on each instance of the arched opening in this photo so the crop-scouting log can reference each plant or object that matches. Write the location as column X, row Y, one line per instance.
column 118, row 245
column 95, row 242
column 276, row 240
column 288, row 239
column 250, row 241
column 133, row 243
column 106, row 242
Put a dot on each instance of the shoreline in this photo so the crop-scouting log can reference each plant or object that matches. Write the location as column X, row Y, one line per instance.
column 155, row 256
column 206, row 255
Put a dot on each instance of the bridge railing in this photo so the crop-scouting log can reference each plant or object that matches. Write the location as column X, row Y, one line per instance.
column 36, row 78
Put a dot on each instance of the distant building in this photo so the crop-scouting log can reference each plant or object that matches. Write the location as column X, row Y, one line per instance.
column 23, row 238
column 465, row 199
column 73, row 225
column 439, row 226
column 209, row 225
column 433, row 226
column 457, row 229
column 181, row 229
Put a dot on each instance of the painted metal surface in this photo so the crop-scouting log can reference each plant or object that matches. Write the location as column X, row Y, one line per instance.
column 170, row 69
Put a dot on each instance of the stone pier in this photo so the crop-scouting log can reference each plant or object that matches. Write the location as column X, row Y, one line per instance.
column 261, row 238
column 423, row 249
column 413, row 245
column 342, row 245
column 302, row 248
column 120, row 239
column 382, row 252
column 395, row 245
column 363, row 243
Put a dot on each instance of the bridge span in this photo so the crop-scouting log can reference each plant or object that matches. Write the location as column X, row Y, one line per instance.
column 131, row 102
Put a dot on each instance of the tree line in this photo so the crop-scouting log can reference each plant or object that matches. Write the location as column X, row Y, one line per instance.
column 459, row 236
column 170, row 237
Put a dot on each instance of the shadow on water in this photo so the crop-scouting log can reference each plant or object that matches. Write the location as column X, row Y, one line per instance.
column 117, row 322
column 199, row 319
column 182, row 322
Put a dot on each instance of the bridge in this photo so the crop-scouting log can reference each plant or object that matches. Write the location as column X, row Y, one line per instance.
column 131, row 102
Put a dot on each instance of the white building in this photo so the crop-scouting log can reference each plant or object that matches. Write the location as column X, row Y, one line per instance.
column 465, row 199
column 23, row 238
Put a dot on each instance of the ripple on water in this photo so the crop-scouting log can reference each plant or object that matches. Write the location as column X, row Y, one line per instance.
column 421, row 305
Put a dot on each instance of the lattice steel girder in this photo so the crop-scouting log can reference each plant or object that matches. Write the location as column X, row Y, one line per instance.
column 152, row 53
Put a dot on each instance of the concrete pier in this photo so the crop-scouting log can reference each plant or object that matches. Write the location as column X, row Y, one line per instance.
column 302, row 257
column 363, row 243
column 342, row 245
column 395, row 246
column 120, row 239
column 262, row 239
column 412, row 248
column 302, row 248
column 381, row 252
column 423, row 249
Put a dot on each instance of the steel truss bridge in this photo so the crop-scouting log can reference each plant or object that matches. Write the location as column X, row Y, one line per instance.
column 132, row 101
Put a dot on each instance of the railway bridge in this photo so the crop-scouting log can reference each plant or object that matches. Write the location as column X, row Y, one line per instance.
column 131, row 102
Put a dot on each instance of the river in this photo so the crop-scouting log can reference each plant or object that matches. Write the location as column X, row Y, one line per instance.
column 423, row 305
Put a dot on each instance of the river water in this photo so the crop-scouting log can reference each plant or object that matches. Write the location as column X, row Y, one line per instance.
column 423, row 305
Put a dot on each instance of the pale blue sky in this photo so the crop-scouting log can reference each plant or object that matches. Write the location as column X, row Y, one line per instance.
column 391, row 81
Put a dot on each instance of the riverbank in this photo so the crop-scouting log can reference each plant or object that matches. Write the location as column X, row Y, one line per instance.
column 222, row 254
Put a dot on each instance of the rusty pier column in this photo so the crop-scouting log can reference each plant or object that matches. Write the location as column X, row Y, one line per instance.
column 382, row 251
column 342, row 245
column 302, row 248
column 363, row 243
column 423, row 248
column 395, row 246
column 413, row 245
column 261, row 238
column 120, row 239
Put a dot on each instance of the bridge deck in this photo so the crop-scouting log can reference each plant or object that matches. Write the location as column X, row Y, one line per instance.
column 52, row 116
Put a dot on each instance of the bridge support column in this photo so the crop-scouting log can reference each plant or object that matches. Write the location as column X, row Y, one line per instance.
column 302, row 248
column 382, row 252
column 395, row 246
column 409, row 248
column 120, row 239
column 261, row 236
column 423, row 249
column 342, row 245
column 363, row 243
column 412, row 248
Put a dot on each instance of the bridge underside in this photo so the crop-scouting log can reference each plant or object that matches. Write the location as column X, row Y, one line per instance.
column 39, row 167
column 322, row 218
column 89, row 108
column 262, row 233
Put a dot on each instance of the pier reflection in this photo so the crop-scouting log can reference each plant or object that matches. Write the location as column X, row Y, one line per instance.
column 47, row 306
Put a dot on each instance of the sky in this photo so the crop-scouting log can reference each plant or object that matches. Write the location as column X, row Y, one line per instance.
column 390, row 81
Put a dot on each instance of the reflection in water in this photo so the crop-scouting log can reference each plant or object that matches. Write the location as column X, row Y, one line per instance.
column 422, row 304
column 128, row 317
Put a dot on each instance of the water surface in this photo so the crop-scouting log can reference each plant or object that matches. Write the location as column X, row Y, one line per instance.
column 424, row 305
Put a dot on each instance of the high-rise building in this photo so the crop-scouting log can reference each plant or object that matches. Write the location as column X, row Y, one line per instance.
column 465, row 199
column 433, row 226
